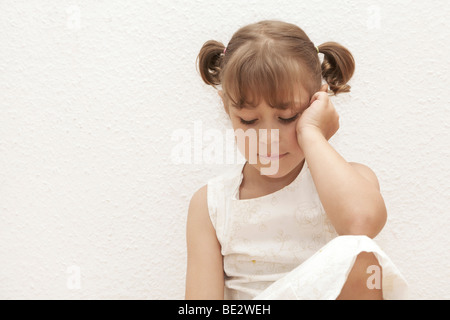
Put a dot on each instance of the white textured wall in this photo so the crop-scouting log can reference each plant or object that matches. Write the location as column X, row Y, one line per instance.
column 92, row 91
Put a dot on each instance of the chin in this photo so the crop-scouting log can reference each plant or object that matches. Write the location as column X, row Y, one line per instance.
column 278, row 170
column 272, row 170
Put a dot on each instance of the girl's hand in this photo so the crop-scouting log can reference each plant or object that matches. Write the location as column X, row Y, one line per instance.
column 320, row 117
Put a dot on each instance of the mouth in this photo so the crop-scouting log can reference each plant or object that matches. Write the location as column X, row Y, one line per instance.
column 273, row 157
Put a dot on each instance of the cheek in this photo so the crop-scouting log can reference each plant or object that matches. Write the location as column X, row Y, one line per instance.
column 246, row 140
column 290, row 138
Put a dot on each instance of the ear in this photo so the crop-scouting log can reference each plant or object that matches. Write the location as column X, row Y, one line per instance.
column 223, row 101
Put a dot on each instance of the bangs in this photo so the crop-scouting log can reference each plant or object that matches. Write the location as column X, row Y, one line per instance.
column 263, row 74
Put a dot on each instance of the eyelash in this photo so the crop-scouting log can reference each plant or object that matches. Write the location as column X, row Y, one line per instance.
column 285, row 121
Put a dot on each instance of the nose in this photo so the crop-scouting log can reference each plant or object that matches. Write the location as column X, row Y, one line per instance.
column 269, row 142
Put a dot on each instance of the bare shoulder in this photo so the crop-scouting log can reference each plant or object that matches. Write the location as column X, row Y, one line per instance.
column 198, row 204
column 199, row 196
column 198, row 214
column 366, row 172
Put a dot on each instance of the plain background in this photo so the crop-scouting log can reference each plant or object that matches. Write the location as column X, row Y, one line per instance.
column 92, row 205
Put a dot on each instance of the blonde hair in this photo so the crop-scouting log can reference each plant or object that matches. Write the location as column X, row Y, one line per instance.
column 269, row 60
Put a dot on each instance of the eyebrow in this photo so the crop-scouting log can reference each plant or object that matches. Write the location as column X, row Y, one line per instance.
column 283, row 106
column 243, row 106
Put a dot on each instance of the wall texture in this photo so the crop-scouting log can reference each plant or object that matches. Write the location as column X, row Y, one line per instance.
column 96, row 95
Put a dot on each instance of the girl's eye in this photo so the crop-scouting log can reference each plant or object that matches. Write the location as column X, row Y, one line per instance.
column 290, row 119
column 281, row 119
column 248, row 122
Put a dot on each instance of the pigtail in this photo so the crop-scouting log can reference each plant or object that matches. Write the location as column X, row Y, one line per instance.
column 210, row 62
column 338, row 66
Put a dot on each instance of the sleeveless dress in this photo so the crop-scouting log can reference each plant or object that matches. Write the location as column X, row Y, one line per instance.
column 283, row 246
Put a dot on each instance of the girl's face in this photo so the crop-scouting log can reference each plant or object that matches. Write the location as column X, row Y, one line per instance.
column 270, row 150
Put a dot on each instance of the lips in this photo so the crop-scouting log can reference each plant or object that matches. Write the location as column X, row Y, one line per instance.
column 273, row 157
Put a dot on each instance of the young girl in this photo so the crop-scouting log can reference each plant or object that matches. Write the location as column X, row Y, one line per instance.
column 305, row 231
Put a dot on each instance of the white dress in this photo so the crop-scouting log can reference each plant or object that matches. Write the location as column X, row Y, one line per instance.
column 283, row 246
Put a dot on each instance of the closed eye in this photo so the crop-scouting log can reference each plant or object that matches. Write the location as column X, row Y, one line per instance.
column 290, row 119
column 285, row 121
column 248, row 122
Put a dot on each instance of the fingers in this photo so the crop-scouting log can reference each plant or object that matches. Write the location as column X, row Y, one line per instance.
column 322, row 94
column 324, row 88
column 319, row 96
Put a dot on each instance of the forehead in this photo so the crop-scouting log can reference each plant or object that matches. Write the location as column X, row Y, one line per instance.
column 281, row 82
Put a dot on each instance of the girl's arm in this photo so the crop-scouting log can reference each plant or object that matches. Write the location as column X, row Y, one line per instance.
column 205, row 275
column 349, row 192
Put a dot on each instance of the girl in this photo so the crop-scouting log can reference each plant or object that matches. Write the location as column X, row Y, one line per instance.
column 305, row 231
